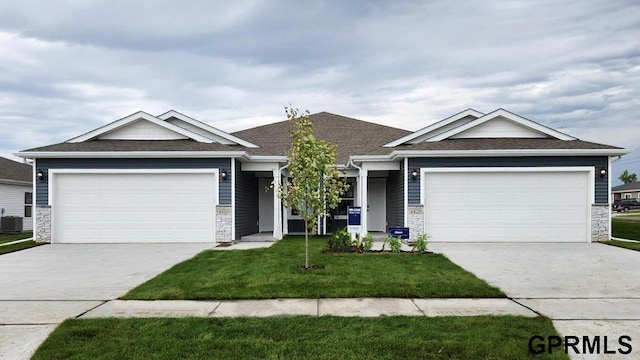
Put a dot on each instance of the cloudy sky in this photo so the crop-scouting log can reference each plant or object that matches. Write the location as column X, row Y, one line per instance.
column 69, row 66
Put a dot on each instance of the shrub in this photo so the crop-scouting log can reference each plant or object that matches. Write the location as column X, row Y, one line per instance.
column 394, row 244
column 340, row 241
column 421, row 243
column 367, row 242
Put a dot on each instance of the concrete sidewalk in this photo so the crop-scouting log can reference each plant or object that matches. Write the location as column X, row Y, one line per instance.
column 364, row 307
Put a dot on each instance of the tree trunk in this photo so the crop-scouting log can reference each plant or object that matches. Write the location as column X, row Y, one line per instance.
column 306, row 243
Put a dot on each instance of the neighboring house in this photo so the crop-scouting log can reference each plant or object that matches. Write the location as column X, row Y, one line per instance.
column 626, row 191
column 16, row 190
column 471, row 177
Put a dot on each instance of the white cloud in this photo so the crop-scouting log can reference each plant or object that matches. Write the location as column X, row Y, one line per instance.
column 74, row 65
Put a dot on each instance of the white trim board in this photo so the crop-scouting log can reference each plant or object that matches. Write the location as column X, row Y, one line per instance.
column 434, row 126
column 588, row 169
column 506, row 115
column 219, row 135
column 140, row 115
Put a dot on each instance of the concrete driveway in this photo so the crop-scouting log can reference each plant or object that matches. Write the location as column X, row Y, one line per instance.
column 42, row 286
column 587, row 289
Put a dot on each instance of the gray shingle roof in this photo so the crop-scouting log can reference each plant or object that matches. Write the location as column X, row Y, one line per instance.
column 353, row 137
column 15, row 171
column 627, row 187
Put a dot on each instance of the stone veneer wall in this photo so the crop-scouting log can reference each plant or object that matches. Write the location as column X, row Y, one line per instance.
column 223, row 223
column 415, row 220
column 600, row 222
column 43, row 223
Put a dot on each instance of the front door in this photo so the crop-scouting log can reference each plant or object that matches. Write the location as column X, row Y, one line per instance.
column 377, row 204
column 265, row 205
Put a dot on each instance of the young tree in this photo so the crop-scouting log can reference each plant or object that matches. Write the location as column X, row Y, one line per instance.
column 627, row 178
column 315, row 186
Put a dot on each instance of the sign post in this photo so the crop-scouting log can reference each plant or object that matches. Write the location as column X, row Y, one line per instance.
column 354, row 218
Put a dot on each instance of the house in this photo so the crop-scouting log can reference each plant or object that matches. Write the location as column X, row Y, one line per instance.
column 626, row 191
column 16, row 190
column 473, row 176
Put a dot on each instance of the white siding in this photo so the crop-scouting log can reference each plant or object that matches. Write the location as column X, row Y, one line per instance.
column 499, row 128
column 142, row 130
column 12, row 201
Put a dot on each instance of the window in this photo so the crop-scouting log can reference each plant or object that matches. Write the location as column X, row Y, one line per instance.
column 28, row 203
column 627, row 196
column 348, row 199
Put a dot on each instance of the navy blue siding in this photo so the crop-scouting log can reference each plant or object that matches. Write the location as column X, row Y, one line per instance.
column 395, row 198
column 598, row 162
column 42, row 187
column 246, row 203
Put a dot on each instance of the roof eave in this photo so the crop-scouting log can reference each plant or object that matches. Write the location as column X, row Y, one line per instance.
column 15, row 182
column 132, row 154
column 490, row 153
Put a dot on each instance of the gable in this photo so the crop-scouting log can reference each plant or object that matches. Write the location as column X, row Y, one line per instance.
column 437, row 128
column 142, row 130
column 146, row 131
column 501, row 123
column 442, row 129
column 499, row 127
column 198, row 127
column 199, row 130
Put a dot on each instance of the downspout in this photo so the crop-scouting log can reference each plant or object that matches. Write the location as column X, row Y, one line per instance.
column 282, row 209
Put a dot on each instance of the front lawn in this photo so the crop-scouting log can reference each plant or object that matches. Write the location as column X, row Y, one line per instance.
column 626, row 227
column 5, row 249
column 272, row 273
column 5, row 238
column 633, row 245
column 485, row 337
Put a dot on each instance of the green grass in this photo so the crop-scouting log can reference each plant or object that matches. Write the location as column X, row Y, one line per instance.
column 485, row 337
column 633, row 245
column 626, row 227
column 272, row 273
column 4, row 238
column 17, row 247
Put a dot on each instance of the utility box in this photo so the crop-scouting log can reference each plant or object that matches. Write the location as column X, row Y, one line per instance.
column 10, row 224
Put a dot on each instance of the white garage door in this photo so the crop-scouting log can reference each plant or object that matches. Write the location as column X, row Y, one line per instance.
column 133, row 207
column 499, row 206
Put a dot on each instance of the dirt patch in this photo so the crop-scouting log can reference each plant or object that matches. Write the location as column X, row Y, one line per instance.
column 311, row 267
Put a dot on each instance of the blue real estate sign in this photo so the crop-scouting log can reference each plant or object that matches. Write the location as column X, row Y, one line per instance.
column 397, row 231
column 354, row 218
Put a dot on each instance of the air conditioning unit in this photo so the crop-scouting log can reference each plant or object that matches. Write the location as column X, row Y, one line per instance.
column 10, row 224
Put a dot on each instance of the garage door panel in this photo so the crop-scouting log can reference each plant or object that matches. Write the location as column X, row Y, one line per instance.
column 507, row 206
column 134, row 207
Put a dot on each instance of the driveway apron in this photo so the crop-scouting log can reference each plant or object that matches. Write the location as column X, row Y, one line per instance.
column 42, row 286
column 587, row 289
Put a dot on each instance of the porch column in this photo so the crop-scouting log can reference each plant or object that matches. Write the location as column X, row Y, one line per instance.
column 277, row 205
column 364, row 201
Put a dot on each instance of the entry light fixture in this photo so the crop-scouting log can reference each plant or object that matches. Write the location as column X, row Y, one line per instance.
column 602, row 172
column 224, row 175
column 40, row 174
column 414, row 174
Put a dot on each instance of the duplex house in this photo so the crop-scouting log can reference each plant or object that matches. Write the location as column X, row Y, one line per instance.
column 491, row 177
